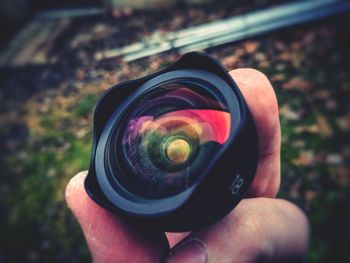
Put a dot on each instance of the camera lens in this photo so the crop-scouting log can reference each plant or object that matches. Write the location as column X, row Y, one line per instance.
column 168, row 136
column 175, row 150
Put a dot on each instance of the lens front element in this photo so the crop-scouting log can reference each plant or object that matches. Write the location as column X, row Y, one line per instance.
column 168, row 137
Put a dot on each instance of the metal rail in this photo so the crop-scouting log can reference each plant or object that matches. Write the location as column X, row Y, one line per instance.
column 68, row 13
column 231, row 29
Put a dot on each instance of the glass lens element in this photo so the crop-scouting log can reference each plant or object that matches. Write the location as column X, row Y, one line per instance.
column 169, row 137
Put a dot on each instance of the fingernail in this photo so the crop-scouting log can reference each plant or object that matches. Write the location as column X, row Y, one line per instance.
column 76, row 182
column 191, row 251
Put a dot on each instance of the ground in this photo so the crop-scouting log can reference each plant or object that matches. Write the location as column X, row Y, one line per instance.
column 46, row 124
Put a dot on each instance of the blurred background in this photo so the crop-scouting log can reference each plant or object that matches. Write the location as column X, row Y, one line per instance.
column 57, row 57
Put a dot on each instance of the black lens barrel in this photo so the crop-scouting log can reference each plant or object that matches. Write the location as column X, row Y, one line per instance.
column 224, row 177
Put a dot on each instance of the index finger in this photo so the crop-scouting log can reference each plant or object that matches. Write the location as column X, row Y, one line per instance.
column 262, row 103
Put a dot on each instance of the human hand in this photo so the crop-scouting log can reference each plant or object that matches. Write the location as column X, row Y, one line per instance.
column 260, row 229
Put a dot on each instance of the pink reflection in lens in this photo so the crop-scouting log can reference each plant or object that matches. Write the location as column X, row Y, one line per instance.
column 211, row 125
column 215, row 124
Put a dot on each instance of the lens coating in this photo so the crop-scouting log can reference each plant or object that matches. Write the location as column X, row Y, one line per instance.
column 167, row 139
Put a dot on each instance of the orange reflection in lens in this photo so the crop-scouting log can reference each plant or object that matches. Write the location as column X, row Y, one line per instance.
column 212, row 125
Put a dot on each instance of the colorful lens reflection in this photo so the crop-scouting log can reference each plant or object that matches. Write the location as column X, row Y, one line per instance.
column 170, row 137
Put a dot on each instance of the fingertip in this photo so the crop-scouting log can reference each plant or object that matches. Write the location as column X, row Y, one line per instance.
column 259, row 96
column 74, row 188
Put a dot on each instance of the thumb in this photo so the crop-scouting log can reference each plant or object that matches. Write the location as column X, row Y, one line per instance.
column 109, row 237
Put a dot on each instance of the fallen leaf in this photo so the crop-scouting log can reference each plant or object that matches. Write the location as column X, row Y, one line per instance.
column 344, row 123
column 313, row 129
column 323, row 124
column 342, row 175
column 288, row 113
column 278, row 77
column 260, row 56
column 294, row 190
column 281, row 67
column 334, row 159
column 321, row 94
column 310, row 195
column 284, row 56
column 298, row 143
column 297, row 83
column 346, row 152
column 250, row 46
column 331, row 104
column 229, row 61
column 305, row 158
